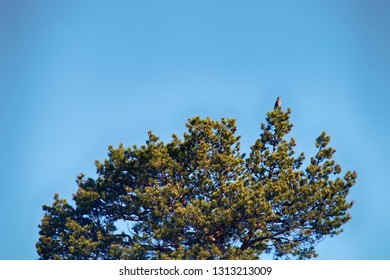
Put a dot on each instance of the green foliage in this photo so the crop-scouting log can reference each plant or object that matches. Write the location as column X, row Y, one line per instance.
column 200, row 198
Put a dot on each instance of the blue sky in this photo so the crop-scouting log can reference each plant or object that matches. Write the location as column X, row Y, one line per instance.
column 77, row 76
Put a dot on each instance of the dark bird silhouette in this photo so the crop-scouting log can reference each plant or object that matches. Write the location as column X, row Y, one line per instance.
column 278, row 103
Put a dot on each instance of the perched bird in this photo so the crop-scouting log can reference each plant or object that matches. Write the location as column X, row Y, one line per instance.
column 278, row 103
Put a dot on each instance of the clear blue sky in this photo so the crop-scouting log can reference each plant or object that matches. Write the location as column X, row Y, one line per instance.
column 77, row 76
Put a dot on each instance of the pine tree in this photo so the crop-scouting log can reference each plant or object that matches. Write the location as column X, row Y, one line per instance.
column 200, row 197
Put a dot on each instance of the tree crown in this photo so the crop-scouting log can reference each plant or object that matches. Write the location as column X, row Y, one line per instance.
column 199, row 197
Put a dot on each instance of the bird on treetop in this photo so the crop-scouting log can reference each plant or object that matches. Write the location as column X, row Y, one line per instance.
column 278, row 103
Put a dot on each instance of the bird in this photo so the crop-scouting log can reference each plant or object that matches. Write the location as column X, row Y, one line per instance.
column 278, row 103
